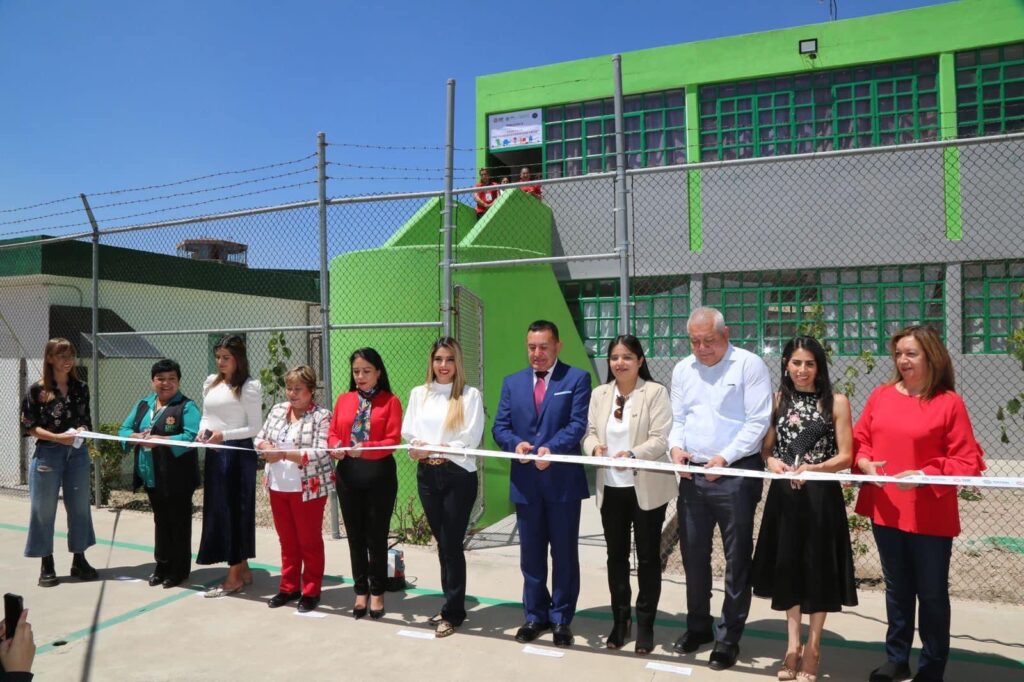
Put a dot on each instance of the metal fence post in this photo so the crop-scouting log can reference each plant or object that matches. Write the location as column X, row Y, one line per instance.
column 621, row 227
column 325, row 306
column 94, row 380
column 448, row 213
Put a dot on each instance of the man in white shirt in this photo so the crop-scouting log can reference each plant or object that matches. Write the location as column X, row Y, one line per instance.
column 721, row 409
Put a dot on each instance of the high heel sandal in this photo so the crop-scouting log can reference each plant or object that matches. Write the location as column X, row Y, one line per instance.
column 621, row 631
column 644, row 639
column 803, row 675
column 787, row 672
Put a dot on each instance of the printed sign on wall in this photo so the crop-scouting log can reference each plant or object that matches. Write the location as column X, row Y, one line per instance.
column 515, row 129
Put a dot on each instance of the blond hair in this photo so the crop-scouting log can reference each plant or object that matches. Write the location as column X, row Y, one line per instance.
column 456, row 417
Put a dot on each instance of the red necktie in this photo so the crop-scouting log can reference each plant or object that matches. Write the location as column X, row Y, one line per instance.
column 538, row 390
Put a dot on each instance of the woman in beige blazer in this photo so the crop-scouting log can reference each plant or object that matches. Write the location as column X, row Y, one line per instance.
column 630, row 417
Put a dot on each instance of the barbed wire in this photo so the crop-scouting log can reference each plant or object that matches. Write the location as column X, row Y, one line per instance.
column 428, row 169
column 395, row 177
column 159, row 186
column 403, row 148
column 37, row 230
column 161, row 197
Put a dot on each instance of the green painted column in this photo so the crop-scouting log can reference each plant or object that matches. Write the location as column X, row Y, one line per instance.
column 693, row 198
column 950, row 155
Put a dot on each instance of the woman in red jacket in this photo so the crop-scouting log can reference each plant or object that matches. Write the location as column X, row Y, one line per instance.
column 915, row 424
column 369, row 415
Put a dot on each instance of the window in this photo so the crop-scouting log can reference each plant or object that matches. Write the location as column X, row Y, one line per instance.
column 661, row 306
column 580, row 138
column 860, row 308
column 873, row 105
column 993, row 308
column 990, row 90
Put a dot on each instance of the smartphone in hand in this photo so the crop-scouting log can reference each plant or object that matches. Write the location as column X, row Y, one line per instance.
column 13, row 606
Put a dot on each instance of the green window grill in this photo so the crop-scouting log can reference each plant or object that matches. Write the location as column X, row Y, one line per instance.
column 872, row 105
column 990, row 90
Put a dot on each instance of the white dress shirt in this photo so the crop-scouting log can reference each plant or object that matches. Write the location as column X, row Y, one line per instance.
column 425, row 414
column 618, row 437
column 722, row 410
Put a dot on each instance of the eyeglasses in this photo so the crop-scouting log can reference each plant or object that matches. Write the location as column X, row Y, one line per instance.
column 620, row 402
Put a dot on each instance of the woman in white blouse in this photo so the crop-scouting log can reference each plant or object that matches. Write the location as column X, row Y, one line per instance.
column 231, row 416
column 446, row 412
column 630, row 417
column 299, row 476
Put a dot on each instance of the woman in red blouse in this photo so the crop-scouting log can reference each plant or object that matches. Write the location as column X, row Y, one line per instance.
column 915, row 424
column 369, row 415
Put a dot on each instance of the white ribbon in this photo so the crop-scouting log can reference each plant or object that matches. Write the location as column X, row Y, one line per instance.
column 618, row 462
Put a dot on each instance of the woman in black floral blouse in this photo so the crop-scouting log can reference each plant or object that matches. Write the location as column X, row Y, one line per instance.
column 803, row 561
column 54, row 411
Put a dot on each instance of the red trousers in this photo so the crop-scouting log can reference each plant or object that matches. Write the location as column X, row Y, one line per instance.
column 299, row 528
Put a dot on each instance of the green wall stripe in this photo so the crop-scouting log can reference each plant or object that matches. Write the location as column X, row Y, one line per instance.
column 694, row 212
column 952, row 195
column 947, row 96
column 692, row 123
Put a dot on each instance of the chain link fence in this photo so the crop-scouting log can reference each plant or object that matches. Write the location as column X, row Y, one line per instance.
column 848, row 245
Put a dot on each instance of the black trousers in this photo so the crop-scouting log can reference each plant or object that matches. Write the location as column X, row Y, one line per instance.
column 172, row 517
column 729, row 503
column 367, row 489
column 447, row 493
column 619, row 512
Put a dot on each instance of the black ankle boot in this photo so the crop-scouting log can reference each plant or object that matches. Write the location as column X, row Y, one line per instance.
column 620, row 632
column 81, row 569
column 47, row 574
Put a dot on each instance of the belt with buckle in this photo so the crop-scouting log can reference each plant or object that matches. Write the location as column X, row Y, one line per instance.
column 434, row 461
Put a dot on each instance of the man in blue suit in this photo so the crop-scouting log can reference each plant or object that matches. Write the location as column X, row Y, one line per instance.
column 543, row 410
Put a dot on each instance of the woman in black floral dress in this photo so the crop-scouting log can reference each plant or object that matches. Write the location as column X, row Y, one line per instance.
column 55, row 409
column 803, row 561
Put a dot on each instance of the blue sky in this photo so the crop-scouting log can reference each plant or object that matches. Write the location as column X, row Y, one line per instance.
column 100, row 96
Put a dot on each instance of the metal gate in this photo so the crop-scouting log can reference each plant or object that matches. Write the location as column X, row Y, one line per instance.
column 469, row 331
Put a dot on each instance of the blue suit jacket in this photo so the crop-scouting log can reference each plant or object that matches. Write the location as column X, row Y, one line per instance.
column 560, row 426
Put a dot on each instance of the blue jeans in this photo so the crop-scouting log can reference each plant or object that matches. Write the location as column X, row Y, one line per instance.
column 916, row 571
column 53, row 467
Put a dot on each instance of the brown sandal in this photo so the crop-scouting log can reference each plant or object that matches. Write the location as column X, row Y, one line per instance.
column 444, row 629
column 787, row 671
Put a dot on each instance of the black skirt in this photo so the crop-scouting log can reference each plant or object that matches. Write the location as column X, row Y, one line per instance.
column 803, row 556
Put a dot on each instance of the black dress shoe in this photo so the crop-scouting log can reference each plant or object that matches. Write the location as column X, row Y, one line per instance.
column 170, row 582
column 531, row 630
column 890, row 671
column 920, row 678
column 691, row 641
column 47, row 573
column 562, row 635
column 81, row 569
column 724, row 656
column 155, row 579
column 282, row 598
column 308, row 603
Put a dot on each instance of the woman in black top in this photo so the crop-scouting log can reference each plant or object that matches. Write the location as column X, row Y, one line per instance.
column 56, row 408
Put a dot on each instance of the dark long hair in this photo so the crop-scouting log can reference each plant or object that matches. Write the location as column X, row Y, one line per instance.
column 822, row 383
column 234, row 344
column 372, row 357
column 633, row 344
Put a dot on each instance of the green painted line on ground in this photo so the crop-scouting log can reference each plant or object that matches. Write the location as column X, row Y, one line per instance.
column 857, row 645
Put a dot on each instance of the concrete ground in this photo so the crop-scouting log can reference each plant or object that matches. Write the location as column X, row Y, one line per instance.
column 119, row 628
